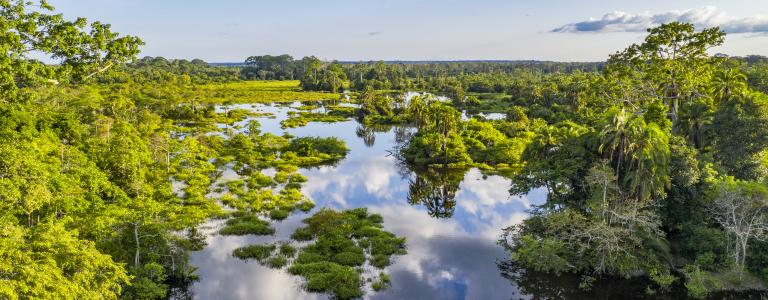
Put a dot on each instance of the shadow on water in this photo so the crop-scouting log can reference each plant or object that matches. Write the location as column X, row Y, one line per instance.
column 538, row 285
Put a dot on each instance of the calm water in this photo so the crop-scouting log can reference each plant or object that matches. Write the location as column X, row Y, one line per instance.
column 451, row 232
column 451, row 240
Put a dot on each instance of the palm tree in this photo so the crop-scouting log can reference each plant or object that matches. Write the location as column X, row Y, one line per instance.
column 446, row 121
column 648, row 170
column 417, row 108
column 694, row 121
column 615, row 138
column 727, row 83
column 548, row 140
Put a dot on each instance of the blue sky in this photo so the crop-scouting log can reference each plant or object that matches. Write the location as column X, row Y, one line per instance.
column 587, row 30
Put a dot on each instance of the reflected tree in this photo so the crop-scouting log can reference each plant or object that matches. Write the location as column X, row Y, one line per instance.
column 402, row 134
column 366, row 134
column 436, row 191
column 542, row 285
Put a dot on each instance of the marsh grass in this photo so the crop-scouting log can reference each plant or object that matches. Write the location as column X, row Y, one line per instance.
column 257, row 252
column 247, row 225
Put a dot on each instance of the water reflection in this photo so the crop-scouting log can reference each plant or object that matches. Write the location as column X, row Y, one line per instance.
column 436, row 191
column 366, row 134
column 451, row 221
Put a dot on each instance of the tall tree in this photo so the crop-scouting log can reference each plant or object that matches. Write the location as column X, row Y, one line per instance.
column 672, row 63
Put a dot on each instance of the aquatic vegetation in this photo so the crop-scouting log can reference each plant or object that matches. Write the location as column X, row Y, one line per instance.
column 257, row 252
column 382, row 282
column 279, row 214
column 287, row 250
column 310, row 151
column 277, row 196
column 258, row 92
column 342, row 242
column 248, row 224
column 277, row 261
column 341, row 281
column 303, row 118
column 341, row 110
column 236, row 115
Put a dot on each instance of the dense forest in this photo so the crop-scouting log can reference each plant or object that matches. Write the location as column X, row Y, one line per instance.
column 655, row 162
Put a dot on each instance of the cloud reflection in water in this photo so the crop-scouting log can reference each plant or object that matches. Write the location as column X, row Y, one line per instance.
column 453, row 257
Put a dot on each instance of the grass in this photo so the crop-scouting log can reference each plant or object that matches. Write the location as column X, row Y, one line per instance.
column 277, row 262
column 382, row 283
column 287, row 250
column 279, row 214
column 257, row 91
column 303, row 118
column 247, row 225
column 258, row 252
column 341, row 281
column 341, row 240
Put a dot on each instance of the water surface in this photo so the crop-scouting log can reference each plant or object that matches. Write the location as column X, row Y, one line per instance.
column 451, row 221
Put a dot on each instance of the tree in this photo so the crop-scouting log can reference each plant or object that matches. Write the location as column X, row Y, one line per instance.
column 28, row 29
column 695, row 122
column 672, row 63
column 741, row 208
column 728, row 83
column 51, row 188
column 49, row 261
column 446, row 121
column 640, row 151
column 417, row 109
column 740, row 135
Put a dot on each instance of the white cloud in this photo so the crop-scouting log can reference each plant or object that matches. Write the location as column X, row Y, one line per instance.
column 708, row 16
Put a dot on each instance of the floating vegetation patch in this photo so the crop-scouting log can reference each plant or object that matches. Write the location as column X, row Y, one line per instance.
column 238, row 114
column 247, row 225
column 257, row 252
column 342, row 243
column 277, row 261
column 382, row 282
column 309, row 151
column 303, row 118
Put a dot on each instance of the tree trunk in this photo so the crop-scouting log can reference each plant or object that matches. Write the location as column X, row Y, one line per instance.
column 138, row 245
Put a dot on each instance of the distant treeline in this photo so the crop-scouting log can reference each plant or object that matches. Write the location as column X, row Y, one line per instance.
column 448, row 77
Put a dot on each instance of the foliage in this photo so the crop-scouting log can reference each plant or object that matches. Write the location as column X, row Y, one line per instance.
column 303, row 118
column 247, row 225
column 698, row 282
column 258, row 252
column 341, row 242
column 323, row 149
column 740, row 129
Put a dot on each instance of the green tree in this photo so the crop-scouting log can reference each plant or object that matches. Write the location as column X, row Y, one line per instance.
column 740, row 135
column 728, row 83
column 671, row 64
column 29, row 28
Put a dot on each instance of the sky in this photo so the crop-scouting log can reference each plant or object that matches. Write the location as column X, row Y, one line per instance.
column 352, row 30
